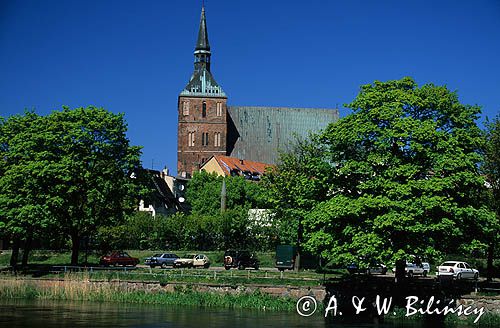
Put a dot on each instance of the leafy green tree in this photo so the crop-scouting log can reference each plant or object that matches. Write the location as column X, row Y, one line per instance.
column 24, row 203
column 402, row 178
column 74, row 170
column 292, row 188
column 204, row 193
column 491, row 169
column 92, row 178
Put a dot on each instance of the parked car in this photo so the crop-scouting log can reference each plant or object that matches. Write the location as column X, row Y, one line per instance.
column 118, row 258
column 413, row 269
column 240, row 260
column 192, row 260
column 373, row 269
column 285, row 257
column 162, row 260
column 458, row 270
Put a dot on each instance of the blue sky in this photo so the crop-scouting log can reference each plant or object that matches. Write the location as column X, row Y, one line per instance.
column 136, row 56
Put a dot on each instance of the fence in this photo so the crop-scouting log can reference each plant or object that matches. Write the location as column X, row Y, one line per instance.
column 191, row 273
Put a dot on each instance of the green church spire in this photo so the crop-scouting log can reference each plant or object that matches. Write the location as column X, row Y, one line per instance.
column 202, row 49
column 202, row 83
column 202, row 43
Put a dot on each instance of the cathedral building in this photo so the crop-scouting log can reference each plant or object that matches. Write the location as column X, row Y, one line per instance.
column 208, row 127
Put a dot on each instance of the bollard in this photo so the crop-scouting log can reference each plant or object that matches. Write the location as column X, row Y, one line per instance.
column 248, row 274
column 281, row 274
column 215, row 275
column 266, row 274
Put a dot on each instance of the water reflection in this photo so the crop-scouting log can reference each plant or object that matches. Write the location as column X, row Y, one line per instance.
column 24, row 313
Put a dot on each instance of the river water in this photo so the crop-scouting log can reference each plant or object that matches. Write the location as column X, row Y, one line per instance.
column 27, row 313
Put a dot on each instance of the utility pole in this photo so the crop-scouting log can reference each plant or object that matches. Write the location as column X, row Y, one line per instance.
column 299, row 245
column 223, row 196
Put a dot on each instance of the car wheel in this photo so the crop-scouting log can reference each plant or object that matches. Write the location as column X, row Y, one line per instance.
column 241, row 267
column 476, row 276
column 459, row 276
column 164, row 265
column 256, row 267
column 384, row 271
column 227, row 267
column 410, row 274
column 152, row 266
column 424, row 274
column 206, row 265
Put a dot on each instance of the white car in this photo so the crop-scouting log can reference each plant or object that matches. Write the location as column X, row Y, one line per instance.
column 457, row 270
column 415, row 269
column 192, row 260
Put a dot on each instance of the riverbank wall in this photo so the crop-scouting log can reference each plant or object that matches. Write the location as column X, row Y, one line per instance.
column 86, row 289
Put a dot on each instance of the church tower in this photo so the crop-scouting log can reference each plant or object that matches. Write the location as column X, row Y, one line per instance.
column 202, row 110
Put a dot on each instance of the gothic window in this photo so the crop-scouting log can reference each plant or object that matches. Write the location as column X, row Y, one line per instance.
column 204, row 110
column 185, row 108
column 191, row 139
column 204, row 139
column 217, row 139
column 219, row 109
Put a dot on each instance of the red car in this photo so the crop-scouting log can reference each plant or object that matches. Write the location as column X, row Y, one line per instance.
column 118, row 258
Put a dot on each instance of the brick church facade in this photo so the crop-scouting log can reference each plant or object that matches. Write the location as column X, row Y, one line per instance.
column 207, row 126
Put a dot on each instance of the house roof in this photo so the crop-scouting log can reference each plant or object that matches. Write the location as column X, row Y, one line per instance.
column 233, row 164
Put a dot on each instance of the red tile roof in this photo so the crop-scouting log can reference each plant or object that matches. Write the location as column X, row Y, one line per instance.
column 231, row 163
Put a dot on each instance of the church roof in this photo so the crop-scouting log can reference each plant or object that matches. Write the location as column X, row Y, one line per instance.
column 203, row 84
column 258, row 133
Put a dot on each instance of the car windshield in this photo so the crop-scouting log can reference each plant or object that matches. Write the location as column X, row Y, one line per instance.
column 157, row 255
column 449, row 264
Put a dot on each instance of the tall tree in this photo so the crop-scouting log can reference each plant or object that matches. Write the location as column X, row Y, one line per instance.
column 24, row 203
column 75, row 165
column 92, row 174
column 403, row 178
column 491, row 169
column 294, row 186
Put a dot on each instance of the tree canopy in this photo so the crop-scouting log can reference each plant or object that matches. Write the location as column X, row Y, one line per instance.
column 398, row 176
column 69, row 170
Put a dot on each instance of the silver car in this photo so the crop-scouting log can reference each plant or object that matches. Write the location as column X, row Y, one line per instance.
column 162, row 260
column 458, row 270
